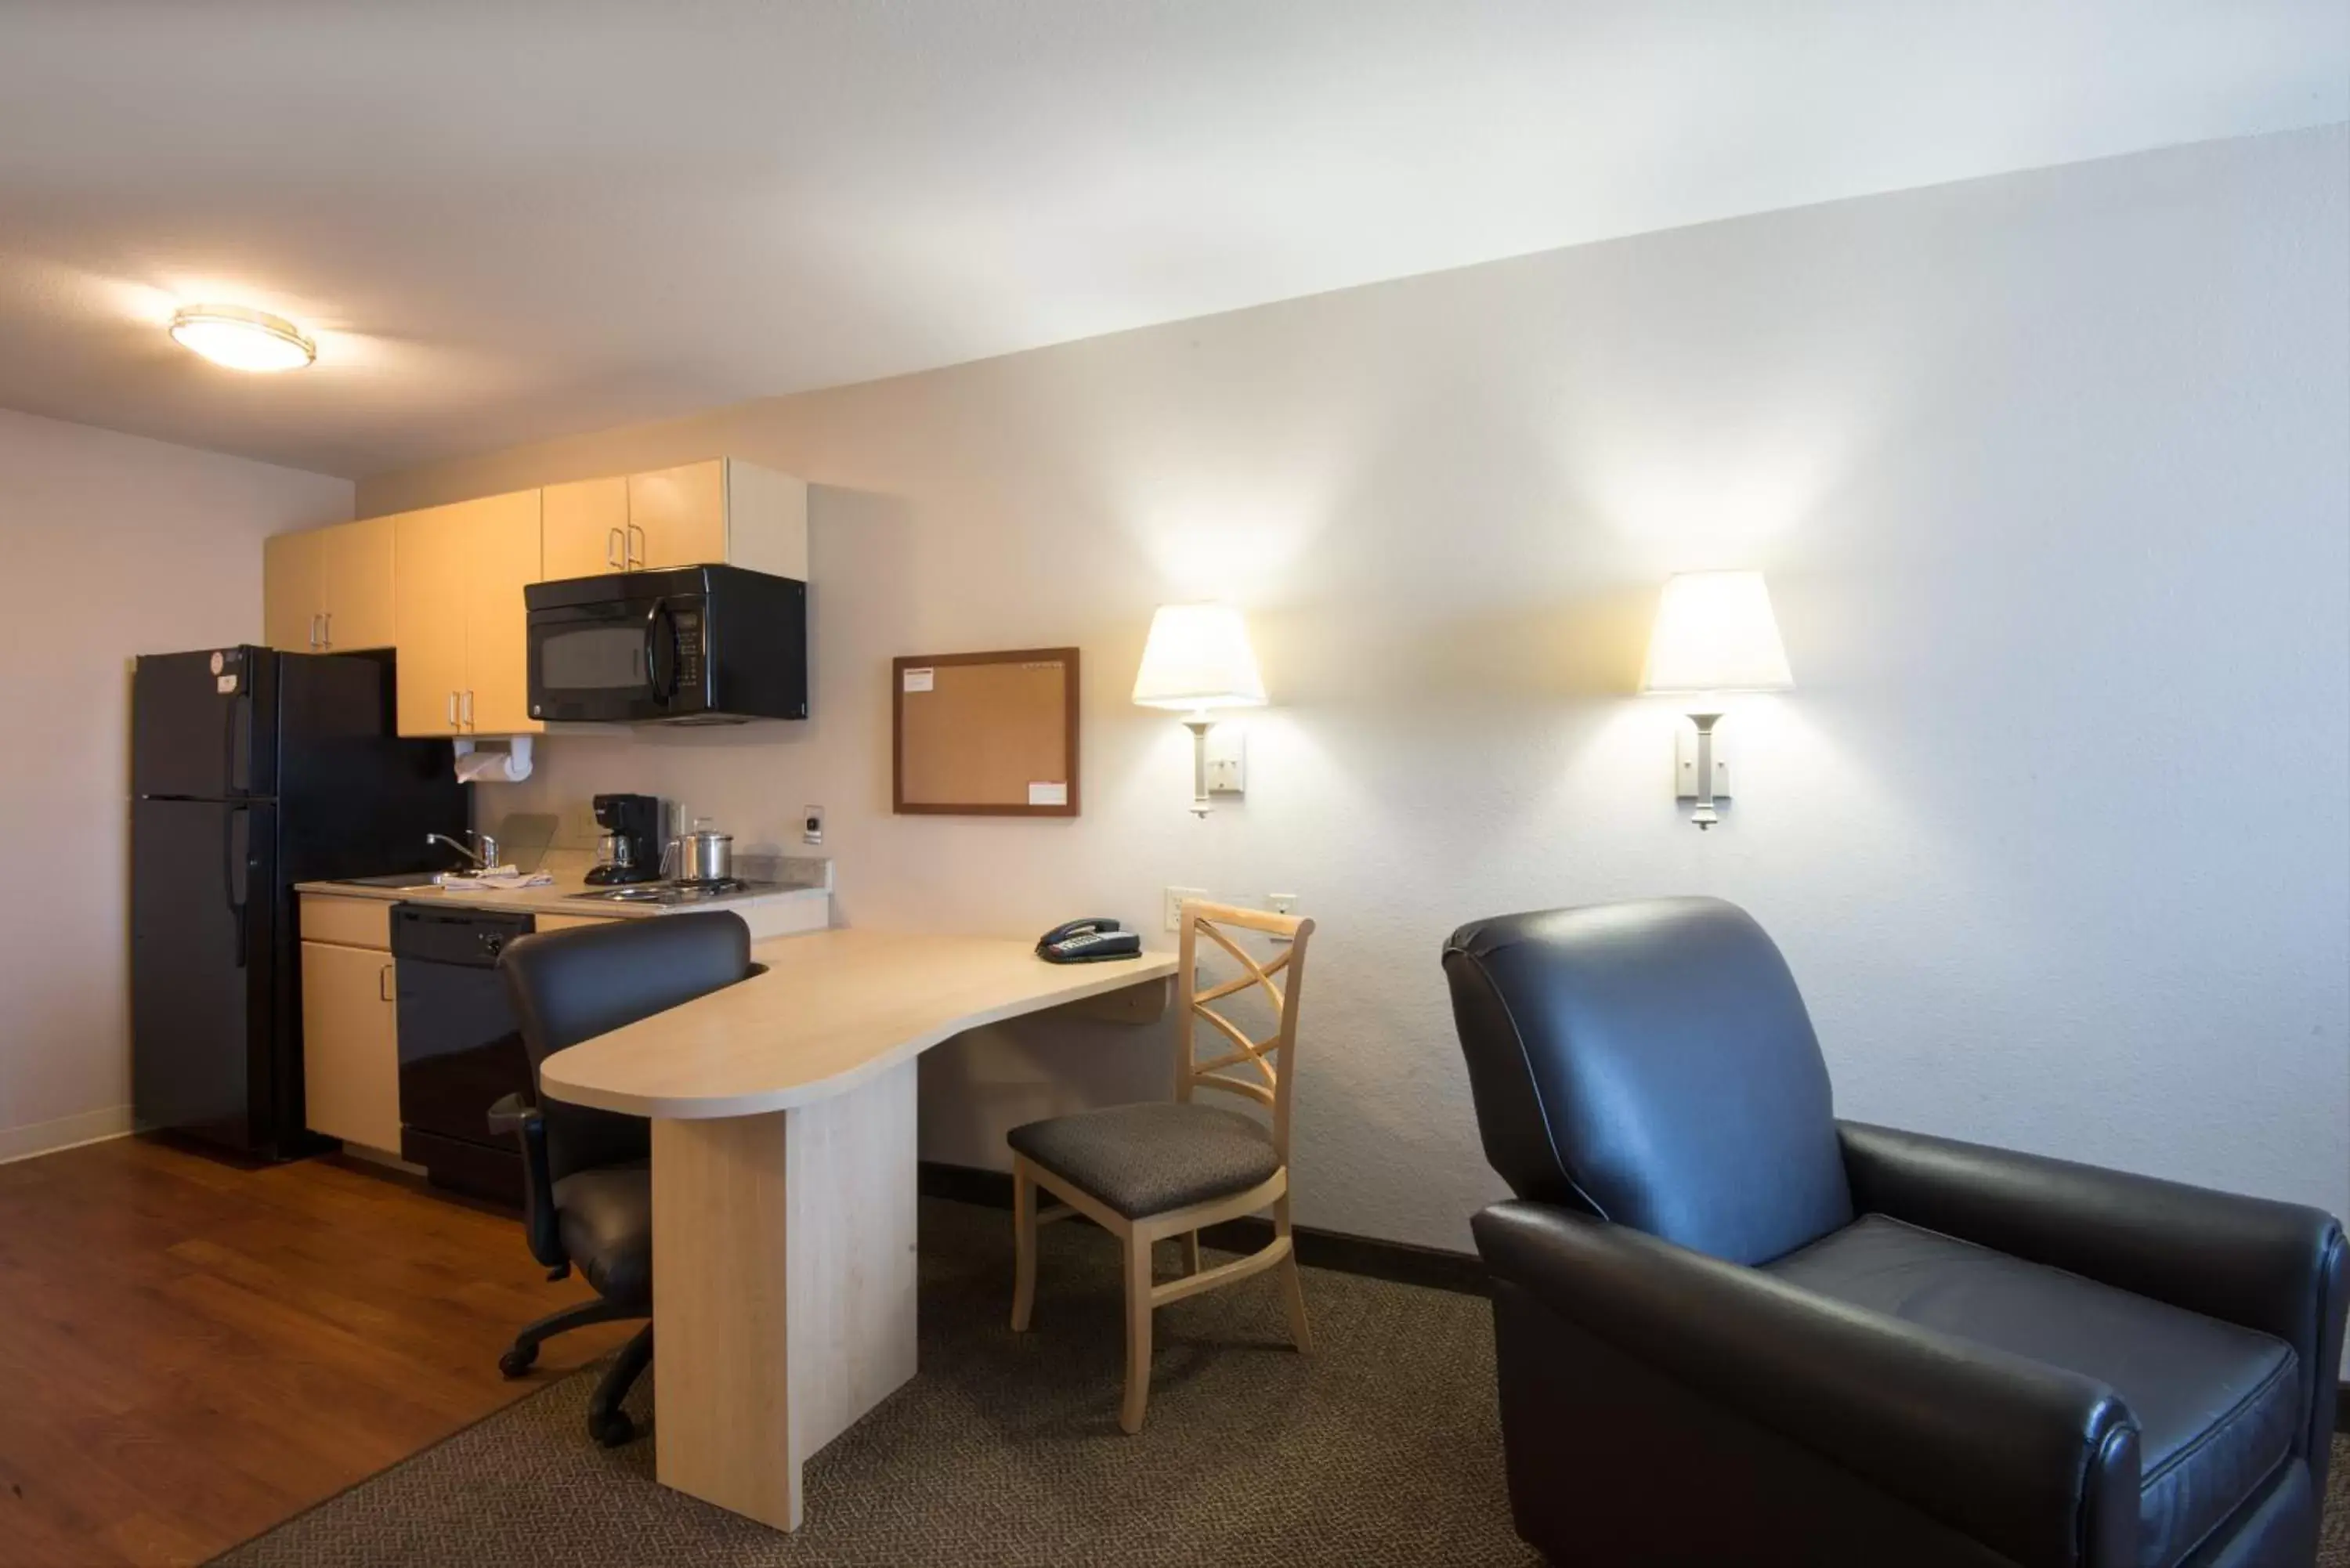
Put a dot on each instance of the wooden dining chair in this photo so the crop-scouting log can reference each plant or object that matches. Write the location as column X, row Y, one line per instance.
column 1147, row 1172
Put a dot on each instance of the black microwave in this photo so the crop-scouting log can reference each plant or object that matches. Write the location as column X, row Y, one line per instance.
column 696, row 645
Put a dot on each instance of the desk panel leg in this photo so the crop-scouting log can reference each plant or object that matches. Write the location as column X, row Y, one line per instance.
column 784, row 1288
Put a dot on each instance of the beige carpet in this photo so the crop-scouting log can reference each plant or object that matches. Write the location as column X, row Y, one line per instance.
column 1379, row 1452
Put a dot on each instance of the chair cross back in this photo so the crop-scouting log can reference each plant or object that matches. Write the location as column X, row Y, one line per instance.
column 1270, row 1057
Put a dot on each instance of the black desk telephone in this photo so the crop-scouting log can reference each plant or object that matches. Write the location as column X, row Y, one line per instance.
column 1089, row 941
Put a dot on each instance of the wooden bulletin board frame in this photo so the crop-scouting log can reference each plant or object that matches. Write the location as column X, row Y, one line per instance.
column 1066, row 656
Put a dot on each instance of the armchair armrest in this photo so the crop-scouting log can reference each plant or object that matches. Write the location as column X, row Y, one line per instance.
column 527, row 1123
column 2021, row 1457
column 2277, row 1268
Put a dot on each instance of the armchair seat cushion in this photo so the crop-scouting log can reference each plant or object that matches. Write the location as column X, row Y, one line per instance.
column 2218, row 1406
column 606, row 1220
column 1148, row 1159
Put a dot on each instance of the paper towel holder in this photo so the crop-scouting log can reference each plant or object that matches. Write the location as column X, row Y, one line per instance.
column 509, row 766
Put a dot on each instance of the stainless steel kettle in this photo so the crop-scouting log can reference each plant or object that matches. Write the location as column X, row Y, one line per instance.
column 702, row 854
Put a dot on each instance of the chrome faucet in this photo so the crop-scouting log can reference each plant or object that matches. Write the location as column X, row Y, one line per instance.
column 482, row 861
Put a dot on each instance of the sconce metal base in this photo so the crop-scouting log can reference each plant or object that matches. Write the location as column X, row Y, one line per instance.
column 1200, row 724
column 1704, row 816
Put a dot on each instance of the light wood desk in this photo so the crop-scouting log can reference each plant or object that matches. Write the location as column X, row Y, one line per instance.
column 783, row 1113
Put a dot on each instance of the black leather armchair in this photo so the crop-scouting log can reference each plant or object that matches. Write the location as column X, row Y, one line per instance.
column 589, row 1199
column 1733, row 1330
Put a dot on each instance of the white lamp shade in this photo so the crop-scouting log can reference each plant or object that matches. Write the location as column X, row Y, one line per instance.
column 1198, row 657
column 1715, row 632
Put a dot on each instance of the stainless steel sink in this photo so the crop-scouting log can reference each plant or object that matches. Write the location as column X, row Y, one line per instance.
column 401, row 882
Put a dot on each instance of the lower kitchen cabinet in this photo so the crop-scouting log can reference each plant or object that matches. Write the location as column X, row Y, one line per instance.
column 351, row 1044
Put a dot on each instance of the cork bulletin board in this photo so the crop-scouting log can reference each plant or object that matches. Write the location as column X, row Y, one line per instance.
column 985, row 735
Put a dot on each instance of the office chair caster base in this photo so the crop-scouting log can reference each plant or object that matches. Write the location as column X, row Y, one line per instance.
column 518, row 1361
column 611, row 1430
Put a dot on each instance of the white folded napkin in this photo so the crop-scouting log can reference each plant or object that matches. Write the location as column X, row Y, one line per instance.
column 496, row 879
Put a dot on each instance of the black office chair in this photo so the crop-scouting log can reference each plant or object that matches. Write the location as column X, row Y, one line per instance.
column 1731, row 1329
column 589, row 1200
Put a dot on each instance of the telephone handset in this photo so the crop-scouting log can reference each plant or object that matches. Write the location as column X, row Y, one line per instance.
column 1088, row 940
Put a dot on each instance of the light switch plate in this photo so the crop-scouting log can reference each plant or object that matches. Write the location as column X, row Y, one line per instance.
column 811, row 825
column 1685, row 763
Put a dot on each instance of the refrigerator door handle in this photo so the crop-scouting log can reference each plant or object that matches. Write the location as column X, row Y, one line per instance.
column 235, row 849
column 228, row 746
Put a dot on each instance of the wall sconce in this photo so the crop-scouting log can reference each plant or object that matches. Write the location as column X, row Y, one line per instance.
column 1715, row 633
column 1197, row 660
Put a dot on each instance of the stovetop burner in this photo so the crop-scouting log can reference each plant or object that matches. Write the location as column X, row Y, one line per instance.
column 688, row 892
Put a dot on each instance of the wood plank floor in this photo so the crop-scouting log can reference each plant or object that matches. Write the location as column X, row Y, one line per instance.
column 190, row 1352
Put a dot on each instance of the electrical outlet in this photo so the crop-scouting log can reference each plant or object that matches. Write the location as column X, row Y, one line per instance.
column 811, row 825
column 1175, row 900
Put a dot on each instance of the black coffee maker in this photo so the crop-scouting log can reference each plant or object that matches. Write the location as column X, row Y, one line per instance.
column 630, row 850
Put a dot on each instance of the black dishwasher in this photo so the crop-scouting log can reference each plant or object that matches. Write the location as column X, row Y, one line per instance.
column 460, row 1047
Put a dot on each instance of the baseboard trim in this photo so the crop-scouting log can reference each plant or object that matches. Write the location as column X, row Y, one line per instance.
column 1404, row 1262
column 38, row 1139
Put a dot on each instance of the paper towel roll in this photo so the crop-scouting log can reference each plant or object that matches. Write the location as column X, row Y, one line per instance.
column 509, row 766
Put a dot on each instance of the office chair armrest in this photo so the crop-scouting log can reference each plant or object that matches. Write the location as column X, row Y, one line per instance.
column 529, row 1126
column 2277, row 1268
column 2036, row 1464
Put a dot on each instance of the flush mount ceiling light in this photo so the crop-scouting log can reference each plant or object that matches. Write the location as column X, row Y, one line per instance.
column 242, row 339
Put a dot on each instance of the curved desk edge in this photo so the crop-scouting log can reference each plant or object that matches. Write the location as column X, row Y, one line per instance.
column 773, row 1043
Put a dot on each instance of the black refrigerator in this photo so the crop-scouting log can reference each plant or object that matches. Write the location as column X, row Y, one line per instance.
column 250, row 771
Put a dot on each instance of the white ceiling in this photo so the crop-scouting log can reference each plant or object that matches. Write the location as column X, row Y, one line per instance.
column 507, row 220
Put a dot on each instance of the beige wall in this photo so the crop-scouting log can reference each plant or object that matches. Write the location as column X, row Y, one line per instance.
column 2050, row 475
column 115, row 546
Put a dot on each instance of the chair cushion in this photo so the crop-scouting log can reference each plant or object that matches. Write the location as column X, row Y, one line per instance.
column 606, row 1220
column 2217, row 1405
column 1146, row 1160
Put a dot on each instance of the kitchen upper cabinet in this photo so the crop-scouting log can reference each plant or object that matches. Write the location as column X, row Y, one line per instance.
column 721, row 511
column 351, row 1044
column 584, row 528
column 292, row 596
column 507, row 552
column 429, row 609
column 458, row 579
column 328, row 589
column 357, row 558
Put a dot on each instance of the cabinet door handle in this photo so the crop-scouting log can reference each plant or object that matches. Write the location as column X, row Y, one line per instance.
column 452, row 709
column 615, row 549
column 465, row 708
column 383, row 984
column 636, row 545
column 314, row 632
column 327, row 638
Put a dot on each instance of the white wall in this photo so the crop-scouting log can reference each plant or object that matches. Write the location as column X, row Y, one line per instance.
column 2050, row 474
column 114, row 546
